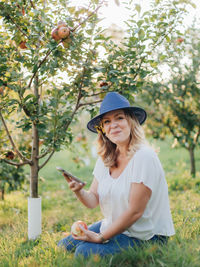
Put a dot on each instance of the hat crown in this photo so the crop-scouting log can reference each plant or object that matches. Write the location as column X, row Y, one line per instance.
column 113, row 101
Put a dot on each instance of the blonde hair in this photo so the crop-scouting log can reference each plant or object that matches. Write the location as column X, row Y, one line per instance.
column 108, row 150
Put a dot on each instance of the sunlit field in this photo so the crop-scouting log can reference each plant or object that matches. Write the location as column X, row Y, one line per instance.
column 61, row 209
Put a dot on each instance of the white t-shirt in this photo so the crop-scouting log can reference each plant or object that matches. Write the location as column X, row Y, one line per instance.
column 144, row 167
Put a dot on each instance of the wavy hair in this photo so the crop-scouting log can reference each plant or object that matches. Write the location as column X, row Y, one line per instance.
column 108, row 151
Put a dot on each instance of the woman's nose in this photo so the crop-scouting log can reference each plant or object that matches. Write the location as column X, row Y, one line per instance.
column 113, row 124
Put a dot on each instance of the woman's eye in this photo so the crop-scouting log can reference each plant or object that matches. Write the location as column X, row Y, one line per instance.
column 106, row 122
column 120, row 118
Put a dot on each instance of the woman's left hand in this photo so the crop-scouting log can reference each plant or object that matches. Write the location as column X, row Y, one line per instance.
column 88, row 236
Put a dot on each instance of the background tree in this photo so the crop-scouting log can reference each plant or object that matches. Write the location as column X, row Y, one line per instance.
column 174, row 100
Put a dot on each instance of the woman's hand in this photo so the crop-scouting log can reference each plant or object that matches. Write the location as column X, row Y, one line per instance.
column 73, row 185
column 88, row 236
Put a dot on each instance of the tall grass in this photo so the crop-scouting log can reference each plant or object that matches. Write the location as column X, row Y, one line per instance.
column 61, row 208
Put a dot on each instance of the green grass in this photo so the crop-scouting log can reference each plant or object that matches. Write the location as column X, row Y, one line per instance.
column 61, row 209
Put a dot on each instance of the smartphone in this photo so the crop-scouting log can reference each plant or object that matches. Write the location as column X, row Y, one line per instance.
column 72, row 177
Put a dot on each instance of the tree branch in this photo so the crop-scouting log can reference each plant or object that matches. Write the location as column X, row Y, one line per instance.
column 75, row 28
column 18, row 27
column 15, row 163
column 96, row 94
column 44, row 154
column 39, row 65
column 44, row 163
column 140, row 65
column 12, row 142
column 89, row 103
column 32, row 4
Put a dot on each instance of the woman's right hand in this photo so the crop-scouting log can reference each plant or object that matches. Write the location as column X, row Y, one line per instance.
column 73, row 185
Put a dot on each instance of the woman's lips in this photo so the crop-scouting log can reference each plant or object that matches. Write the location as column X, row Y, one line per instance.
column 116, row 132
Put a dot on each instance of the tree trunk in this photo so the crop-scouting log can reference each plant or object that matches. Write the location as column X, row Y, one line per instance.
column 192, row 162
column 2, row 193
column 35, row 148
column 34, row 166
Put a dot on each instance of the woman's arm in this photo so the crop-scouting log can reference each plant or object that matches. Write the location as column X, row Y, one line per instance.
column 139, row 197
column 89, row 198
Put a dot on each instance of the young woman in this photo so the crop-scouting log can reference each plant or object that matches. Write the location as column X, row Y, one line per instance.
column 129, row 185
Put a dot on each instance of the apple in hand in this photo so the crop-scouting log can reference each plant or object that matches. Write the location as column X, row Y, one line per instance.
column 76, row 230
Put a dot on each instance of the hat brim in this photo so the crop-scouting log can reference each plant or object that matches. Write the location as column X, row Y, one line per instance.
column 139, row 113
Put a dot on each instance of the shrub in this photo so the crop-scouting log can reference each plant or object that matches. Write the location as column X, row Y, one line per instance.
column 11, row 178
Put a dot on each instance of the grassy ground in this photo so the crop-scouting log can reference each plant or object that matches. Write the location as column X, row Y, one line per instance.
column 61, row 209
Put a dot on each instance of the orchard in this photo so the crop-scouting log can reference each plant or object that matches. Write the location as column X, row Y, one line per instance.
column 51, row 68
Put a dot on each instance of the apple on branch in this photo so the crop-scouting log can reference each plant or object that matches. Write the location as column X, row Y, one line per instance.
column 22, row 45
column 179, row 40
column 63, row 32
column 10, row 155
column 103, row 83
column 55, row 35
column 1, row 90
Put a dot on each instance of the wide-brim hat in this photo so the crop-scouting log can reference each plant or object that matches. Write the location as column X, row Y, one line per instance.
column 114, row 101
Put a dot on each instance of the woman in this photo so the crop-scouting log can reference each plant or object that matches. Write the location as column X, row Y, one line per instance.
column 129, row 185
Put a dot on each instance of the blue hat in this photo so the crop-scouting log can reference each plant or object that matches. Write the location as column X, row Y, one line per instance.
column 114, row 101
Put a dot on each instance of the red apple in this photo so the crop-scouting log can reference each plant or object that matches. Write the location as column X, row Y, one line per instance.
column 63, row 32
column 103, row 84
column 179, row 40
column 10, row 155
column 1, row 90
column 23, row 11
column 22, row 45
column 76, row 230
column 55, row 35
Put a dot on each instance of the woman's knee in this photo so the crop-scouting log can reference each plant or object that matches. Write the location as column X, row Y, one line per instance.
column 69, row 243
column 86, row 249
column 81, row 251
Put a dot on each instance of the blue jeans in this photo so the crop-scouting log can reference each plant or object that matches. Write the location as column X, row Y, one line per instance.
column 115, row 245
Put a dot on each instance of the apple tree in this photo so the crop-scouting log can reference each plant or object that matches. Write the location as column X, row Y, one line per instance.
column 173, row 101
column 45, row 76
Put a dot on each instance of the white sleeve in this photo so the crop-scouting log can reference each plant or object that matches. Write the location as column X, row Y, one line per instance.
column 98, row 169
column 146, row 169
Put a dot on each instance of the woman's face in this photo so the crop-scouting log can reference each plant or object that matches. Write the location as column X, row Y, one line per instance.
column 116, row 127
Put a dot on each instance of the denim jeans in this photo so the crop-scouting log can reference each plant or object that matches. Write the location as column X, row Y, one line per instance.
column 115, row 244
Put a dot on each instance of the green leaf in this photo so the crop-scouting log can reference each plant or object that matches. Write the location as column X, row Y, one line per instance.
column 35, row 68
column 138, row 8
column 167, row 38
column 153, row 64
